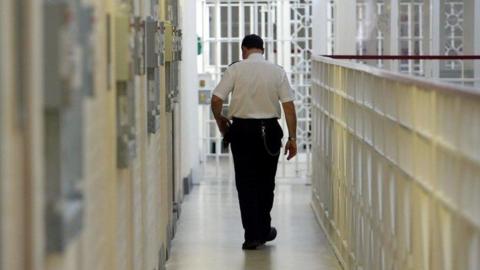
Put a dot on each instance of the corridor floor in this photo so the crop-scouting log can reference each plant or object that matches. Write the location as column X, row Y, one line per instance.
column 209, row 233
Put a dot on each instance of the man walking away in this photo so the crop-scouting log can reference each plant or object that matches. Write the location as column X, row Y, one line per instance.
column 258, row 88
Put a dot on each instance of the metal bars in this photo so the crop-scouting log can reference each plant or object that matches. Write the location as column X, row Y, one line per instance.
column 411, row 27
column 396, row 168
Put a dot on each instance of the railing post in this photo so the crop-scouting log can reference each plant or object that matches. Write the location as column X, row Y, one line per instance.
column 433, row 67
column 394, row 33
column 477, row 43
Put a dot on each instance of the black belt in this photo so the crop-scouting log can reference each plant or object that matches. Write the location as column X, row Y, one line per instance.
column 254, row 120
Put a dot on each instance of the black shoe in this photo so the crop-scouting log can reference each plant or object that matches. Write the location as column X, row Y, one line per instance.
column 251, row 245
column 271, row 235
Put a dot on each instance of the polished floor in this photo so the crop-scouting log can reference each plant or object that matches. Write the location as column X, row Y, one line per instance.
column 209, row 233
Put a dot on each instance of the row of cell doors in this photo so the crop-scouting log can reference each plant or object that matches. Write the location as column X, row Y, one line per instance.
column 40, row 177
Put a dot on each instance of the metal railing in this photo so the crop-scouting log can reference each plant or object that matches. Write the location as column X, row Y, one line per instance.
column 396, row 168
column 456, row 69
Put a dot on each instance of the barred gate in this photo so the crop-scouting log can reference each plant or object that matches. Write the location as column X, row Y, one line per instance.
column 286, row 28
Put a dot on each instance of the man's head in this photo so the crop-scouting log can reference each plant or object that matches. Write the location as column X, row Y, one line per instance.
column 251, row 44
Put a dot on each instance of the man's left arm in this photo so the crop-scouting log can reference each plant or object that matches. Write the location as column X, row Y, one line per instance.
column 222, row 121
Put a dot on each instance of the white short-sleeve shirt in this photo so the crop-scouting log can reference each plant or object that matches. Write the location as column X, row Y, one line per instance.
column 258, row 87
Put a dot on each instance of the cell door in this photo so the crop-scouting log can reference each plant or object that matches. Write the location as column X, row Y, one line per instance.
column 63, row 124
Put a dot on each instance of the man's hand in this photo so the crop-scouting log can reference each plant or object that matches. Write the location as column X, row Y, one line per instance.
column 291, row 149
column 223, row 124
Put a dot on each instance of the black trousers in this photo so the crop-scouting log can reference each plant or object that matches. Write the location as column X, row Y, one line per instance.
column 255, row 145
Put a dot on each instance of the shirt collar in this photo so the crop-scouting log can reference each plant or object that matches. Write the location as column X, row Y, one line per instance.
column 256, row 56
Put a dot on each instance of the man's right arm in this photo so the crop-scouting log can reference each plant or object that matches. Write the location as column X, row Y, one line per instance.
column 220, row 93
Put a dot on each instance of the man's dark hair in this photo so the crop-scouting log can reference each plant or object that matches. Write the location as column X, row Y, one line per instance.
column 252, row 41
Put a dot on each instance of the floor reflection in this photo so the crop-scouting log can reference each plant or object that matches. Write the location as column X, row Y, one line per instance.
column 259, row 259
column 210, row 235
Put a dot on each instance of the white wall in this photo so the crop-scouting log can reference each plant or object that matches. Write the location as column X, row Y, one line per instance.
column 345, row 27
column 319, row 19
column 189, row 93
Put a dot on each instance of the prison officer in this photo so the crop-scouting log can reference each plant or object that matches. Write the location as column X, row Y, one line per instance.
column 258, row 88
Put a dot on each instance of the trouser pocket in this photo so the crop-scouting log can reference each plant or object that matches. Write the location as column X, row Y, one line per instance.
column 272, row 135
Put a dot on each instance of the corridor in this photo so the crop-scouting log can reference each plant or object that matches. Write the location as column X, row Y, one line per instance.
column 112, row 159
column 210, row 234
